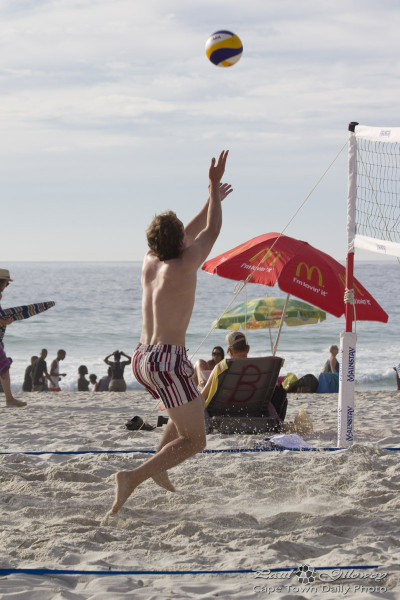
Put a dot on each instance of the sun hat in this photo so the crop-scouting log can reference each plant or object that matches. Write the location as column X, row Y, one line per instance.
column 5, row 274
column 233, row 337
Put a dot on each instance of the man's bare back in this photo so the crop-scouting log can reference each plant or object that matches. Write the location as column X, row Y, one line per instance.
column 168, row 298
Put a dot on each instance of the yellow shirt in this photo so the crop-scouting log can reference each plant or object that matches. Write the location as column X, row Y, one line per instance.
column 218, row 369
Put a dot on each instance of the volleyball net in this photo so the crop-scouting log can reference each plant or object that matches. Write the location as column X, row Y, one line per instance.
column 374, row 189
column 373, row 223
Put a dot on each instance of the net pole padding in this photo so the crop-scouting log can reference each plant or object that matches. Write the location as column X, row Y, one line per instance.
column 345, row 434
column 346, row 405
column 351, row 221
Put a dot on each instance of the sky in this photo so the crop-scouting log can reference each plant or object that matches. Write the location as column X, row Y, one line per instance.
column 110, row 113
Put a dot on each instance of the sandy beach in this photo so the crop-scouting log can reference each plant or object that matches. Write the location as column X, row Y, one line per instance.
column 241, row 512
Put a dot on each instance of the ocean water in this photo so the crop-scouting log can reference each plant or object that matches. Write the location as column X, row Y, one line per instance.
column 98, row 311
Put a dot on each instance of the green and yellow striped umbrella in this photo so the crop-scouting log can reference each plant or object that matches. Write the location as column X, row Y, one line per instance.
column 263, row 313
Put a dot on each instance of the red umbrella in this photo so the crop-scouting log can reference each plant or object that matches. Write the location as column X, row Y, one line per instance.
column 299, row 269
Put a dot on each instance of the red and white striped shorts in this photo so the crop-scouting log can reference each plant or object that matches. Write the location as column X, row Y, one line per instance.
column 166, row 372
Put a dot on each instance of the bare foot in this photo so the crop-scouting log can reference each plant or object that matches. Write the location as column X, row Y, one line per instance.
column 15, row 402
column 164, row 481
column 125, row 482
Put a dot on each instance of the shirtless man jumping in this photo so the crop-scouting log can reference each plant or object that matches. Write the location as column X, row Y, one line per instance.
column 159, row 362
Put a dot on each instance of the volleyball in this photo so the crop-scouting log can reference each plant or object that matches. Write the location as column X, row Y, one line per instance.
column 224, row 48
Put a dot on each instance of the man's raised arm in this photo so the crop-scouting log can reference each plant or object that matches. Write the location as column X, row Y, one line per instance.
column 199, row 222
column 195, row 253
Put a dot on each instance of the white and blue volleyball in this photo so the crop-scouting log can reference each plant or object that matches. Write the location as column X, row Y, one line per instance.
column 224, row 48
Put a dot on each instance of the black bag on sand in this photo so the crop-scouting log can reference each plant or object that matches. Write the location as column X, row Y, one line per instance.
column 307, row 384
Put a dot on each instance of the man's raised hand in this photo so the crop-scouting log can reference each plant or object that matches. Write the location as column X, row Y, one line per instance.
column 217, row 170
column 224, row 190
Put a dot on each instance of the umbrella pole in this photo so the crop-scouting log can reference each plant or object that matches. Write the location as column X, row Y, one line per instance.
column 270, row 341
column 280, row 326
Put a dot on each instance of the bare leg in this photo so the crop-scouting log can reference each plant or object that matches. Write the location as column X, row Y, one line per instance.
column 170, row 434
column 6, row 384
column 189, row 423
column 200, row 368
column 397, row 378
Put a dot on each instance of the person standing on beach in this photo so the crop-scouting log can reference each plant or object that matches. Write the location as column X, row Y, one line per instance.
column 55, row 375
column 117, row 383
column 159, row 362
column 40, row 374
column 27, row 385
column 4, row 361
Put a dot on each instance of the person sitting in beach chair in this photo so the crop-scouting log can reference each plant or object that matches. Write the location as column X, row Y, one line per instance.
column 239, row 392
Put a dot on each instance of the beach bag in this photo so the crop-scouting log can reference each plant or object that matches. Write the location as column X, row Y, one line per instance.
column 307, row 384
column 289, row 380
column 328, row 383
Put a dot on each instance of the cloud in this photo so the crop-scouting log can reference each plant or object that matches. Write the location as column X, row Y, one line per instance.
column 122, row 91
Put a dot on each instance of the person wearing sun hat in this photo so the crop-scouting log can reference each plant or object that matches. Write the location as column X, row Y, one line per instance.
column 4, row 361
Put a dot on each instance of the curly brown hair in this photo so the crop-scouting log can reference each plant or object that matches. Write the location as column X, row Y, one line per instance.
column 165, row 235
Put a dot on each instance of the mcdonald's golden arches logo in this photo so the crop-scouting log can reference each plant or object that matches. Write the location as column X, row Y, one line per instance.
column 309, row 272
column 274, row 254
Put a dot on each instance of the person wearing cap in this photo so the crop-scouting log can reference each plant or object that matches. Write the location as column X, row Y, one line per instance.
column 237, row 348
column 4, row 361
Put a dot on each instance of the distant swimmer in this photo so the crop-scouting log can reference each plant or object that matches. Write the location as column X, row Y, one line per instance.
column 159, row 361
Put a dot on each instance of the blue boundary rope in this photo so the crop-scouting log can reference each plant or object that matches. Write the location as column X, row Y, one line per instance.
column 205, row 572
column 207, row 451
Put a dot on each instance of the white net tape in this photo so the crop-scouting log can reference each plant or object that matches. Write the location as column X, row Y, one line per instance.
column 378, row 196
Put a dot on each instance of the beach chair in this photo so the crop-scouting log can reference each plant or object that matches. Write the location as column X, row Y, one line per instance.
column 242, row 401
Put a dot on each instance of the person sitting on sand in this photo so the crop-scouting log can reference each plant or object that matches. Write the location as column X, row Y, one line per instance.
column 203, row 368
column 93, row 381
column 55, row 375
column 104, row 382
column 332, row 365
column 117, row 383
column 4, row 361
column 83, row 383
